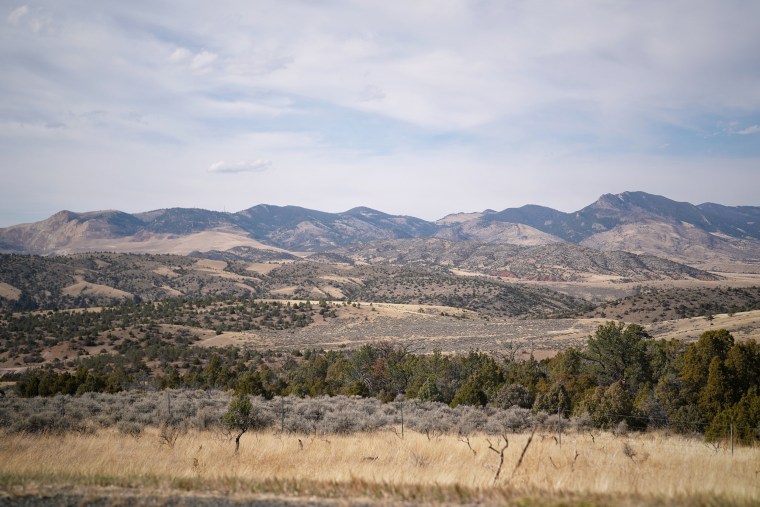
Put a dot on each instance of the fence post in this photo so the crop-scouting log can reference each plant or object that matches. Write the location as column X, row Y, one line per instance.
column 559, row 424
column 282, row 414
column 732, row 439
column 402, row 418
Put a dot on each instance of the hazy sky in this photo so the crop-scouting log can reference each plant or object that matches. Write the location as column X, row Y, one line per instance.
column 419, row 107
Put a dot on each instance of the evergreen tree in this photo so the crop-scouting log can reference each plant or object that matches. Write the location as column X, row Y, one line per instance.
column 617, row 353
column 716, row 395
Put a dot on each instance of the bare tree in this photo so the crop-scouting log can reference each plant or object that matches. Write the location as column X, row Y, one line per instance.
column 500, row 451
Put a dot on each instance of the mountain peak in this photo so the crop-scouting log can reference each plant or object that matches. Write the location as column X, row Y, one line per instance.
column 64, row 215
column 301, row 229
column 610, row 201
column 365, row 212
column 461, row 217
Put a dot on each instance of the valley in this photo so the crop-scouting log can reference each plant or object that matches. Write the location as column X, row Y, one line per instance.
column 482, row 281
column 345, row 327
column 282, row 253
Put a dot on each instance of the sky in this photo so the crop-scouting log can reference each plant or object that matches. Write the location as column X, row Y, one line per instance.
column 422, row 107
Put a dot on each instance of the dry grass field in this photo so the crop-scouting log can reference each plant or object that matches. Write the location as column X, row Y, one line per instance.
column 742, row 325
column 421, row 327
column 589, row 469
column 425, row 328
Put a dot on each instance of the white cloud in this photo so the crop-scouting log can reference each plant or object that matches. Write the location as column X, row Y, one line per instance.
column 371, row 93
column 197, row 62
column 202, row 61
column 180, row 55
column 16, row 14
column 324, row 87
column 255, row 166
column 35, row 21
column 754, row 129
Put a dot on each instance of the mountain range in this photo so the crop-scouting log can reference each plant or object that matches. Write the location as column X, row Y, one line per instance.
column 635, row 222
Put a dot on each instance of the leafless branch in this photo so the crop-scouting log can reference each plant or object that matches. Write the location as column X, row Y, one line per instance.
column 466, row 440
column 525, row 449
column 500, row 452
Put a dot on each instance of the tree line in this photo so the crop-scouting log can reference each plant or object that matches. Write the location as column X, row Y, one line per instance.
column 620, row 376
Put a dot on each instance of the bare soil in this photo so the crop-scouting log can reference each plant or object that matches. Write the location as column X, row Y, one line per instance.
column 8, row 291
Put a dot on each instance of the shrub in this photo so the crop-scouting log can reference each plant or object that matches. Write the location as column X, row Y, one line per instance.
column 242, row 416
column 512, row 395
column 130, row 428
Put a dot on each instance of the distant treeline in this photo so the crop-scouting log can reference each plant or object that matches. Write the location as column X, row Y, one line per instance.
column 621, row 376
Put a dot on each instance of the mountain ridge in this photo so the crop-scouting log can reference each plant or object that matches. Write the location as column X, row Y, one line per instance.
column 638, row 222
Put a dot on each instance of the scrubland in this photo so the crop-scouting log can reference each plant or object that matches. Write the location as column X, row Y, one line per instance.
column 172, row 447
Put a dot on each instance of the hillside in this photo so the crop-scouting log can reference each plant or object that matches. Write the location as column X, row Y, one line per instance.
column 612, row 210
column 82, row 280
column 634, row 222
column 551, row 262
column 496, row 232
column 106, row 278
column 681, row 241
column 183, row 230
column 644, row 223
column 651, row 305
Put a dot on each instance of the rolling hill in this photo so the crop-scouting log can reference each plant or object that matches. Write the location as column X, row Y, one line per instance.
column 548, row 262
column 29, row 282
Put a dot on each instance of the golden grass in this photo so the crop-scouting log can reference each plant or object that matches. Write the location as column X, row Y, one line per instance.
column 649, row 468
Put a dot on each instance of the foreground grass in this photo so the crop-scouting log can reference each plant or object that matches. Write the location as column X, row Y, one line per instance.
column 595, row 469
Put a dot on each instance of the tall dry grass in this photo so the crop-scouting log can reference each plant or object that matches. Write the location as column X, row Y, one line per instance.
column 646, row 467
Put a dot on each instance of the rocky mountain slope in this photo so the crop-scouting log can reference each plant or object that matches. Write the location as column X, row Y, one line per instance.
column 496, row 232
column 644, row 223
column 610, row 211
column 676, row 240
column 182, row 230
column 632, row 221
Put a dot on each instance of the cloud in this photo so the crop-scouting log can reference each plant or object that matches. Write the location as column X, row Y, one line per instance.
column 180, row 55
column 255, row 166
column 34, row 21
column 754, row 129
column 16, row 14
column 202, row 61
column 546, row 88
column 371, row 93
column 197, row 62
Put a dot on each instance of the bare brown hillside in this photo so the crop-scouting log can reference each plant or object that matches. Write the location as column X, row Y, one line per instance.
column 550, row 263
